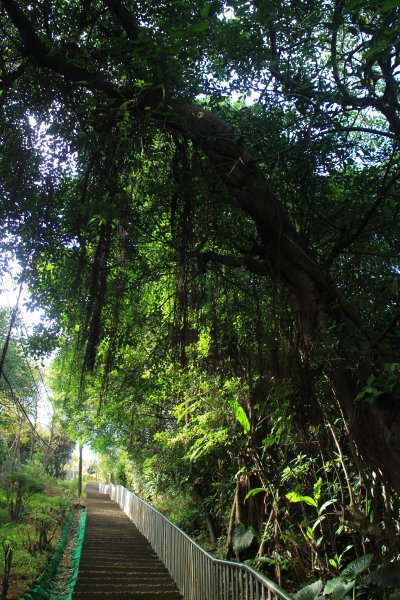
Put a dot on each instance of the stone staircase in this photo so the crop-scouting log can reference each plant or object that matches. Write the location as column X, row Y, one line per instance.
column 117, row 562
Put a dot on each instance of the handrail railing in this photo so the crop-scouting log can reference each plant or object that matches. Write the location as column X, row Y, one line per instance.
column 198, row 575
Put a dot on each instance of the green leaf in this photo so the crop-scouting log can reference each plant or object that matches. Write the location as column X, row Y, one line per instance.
column 267, row 442
column 389, row 4
column 340, row 592
column 318, row 521
column 241, row 416
column 386, row 576
column 310, row 533
column 197, row 27
column 326, row 504
column 311, row 592
column 338, row 587
column 242, row 538
column 331, row 584
column 317, row 489
column 352, row 4
column 253, row 492
column 295, row 497
column 333, row 563
column 356, row 567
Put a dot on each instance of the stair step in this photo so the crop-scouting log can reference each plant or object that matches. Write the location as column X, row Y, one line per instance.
column 115, row 586
column 127, row 595
column 117, row 562
column 126, row 577
column 141, row 560
column 136, row 565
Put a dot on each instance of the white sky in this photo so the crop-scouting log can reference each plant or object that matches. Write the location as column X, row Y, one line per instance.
column 9, row 289
column 87, row 454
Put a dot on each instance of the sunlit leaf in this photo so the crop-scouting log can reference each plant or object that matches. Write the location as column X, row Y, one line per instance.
column 240, row 416
column 295, row 497
column 253, row 492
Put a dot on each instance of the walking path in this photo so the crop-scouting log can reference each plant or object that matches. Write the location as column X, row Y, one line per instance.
column 117, row 562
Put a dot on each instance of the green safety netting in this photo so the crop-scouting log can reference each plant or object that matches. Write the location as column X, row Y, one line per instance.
column 58, row 581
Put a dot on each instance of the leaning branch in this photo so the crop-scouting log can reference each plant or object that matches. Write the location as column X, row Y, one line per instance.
column 124, row 18
column 10, row 328
column 288, row 258
column 249, row 264
column 388, row 329
column 47, row 56
column 314, row 299
column 370, row 130
column 23, row 410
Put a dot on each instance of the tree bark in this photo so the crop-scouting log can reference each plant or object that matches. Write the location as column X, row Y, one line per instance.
column 231, row 528
column 207, row 515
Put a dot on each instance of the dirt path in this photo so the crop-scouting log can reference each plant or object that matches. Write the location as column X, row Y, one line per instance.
column 117, row 562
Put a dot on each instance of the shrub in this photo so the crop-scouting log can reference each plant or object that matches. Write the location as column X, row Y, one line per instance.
column 46, row 514
column 19, row 484
column 11, row 538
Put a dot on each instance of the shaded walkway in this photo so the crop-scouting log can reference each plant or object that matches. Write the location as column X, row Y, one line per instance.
column 117, row 562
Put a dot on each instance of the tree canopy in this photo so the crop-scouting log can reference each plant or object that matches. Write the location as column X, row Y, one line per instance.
column 204, row 196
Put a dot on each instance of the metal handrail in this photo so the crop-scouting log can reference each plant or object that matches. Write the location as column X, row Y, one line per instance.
column 197, row 574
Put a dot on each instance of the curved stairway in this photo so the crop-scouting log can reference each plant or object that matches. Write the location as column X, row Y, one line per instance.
column 117, row 562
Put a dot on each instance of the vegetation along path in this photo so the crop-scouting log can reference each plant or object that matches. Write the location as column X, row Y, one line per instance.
column 117, row 561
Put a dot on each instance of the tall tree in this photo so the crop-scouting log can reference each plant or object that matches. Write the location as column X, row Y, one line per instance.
column 113, row 73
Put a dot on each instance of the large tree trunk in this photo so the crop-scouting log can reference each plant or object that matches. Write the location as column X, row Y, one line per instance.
column 313, row 297
column 250, row 513
column 315, row 301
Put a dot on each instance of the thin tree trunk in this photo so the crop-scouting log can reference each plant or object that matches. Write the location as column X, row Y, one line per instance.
column 209, row 521
column 231, row 527
column 80, row 472
column 8, row 558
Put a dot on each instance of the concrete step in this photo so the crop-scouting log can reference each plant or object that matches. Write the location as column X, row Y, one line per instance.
column 114, row 586
column 127, row 595
column 128, row 577
column 117, row 562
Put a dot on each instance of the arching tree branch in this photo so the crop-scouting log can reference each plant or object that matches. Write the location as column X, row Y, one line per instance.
column 315, row 301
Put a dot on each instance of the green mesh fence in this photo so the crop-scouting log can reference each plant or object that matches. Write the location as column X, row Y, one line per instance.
column 58, row 580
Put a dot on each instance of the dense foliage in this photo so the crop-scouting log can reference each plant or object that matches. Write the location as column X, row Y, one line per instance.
column 33, row 506
column 234, row 343
column 24, row 435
